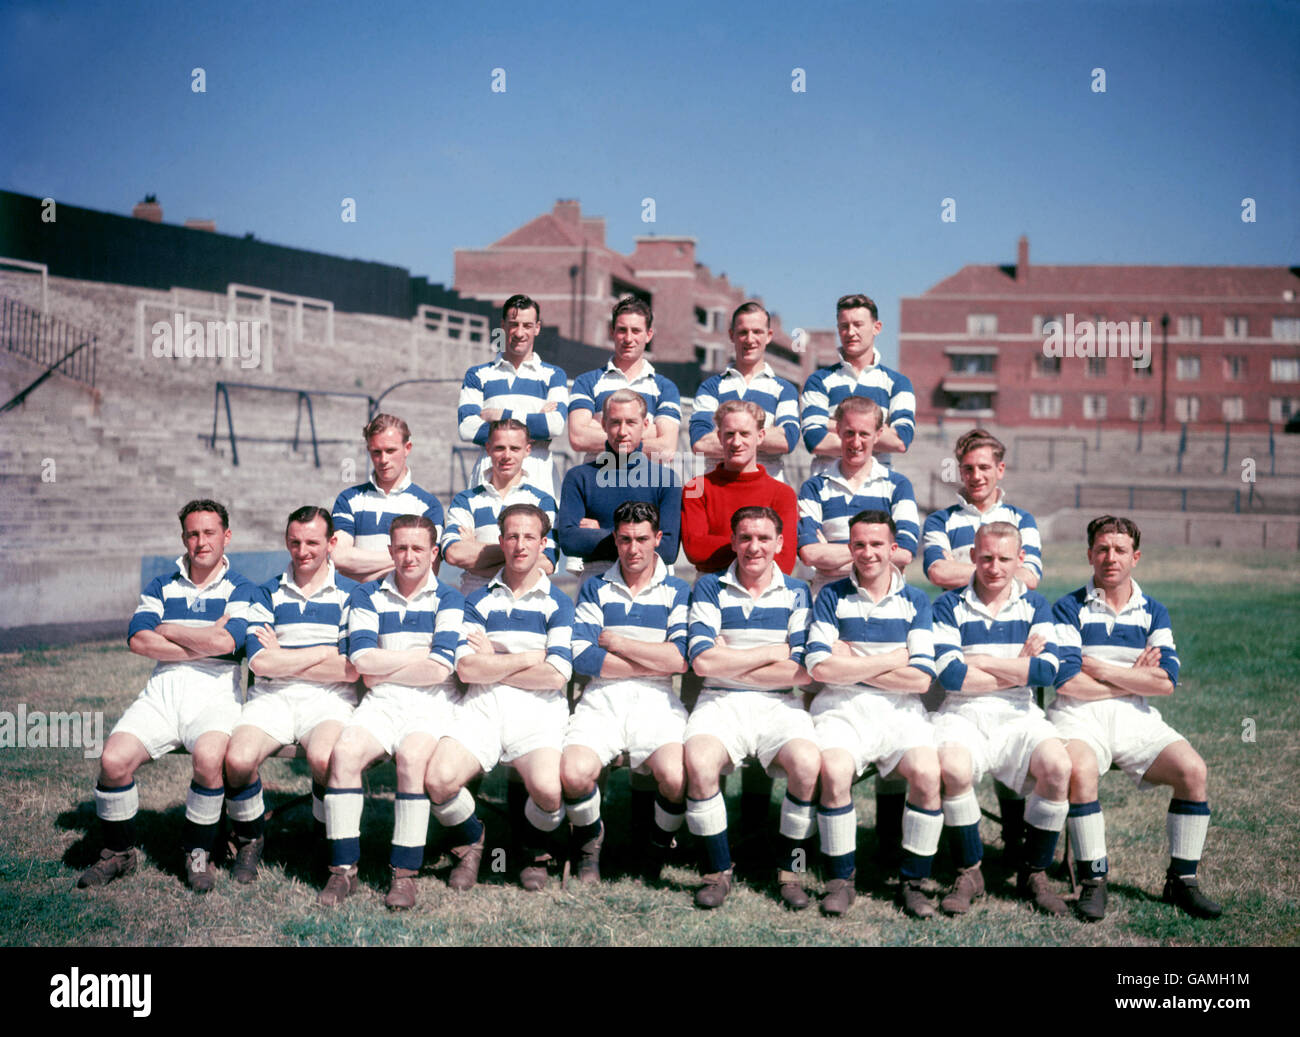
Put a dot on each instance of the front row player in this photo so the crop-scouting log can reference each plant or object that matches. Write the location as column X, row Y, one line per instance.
column 403, row 638
column 296, row 644
column 871, row 644
column 629, row 635
column 994, row 641
column 518, row 660
column 748, row 626
column 1117, row 649
column 192, row 622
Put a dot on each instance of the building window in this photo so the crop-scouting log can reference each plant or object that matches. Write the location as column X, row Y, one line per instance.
column 1137, row 408
column 1234, row 368
column 1041, row 324
column 1044, row 405
column 973, row 401
column 1187, row 368
column 972, row 364
column 1189, row 327
column 1286, row 329
column 1094, row 407
column 1048, row 366
column 981, row 324
column 1096, row 367
column 1284, row 369
column 719, row 320
column 1187, row 408
column 1234, row 408
column 1235, row 327
column 1281, row 408
column 701, row 317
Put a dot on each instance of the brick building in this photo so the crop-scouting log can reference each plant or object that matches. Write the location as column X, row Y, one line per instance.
column 561, row 260
column 1058, row 346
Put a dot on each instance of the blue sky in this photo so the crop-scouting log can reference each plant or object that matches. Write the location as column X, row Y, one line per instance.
column 798, row 196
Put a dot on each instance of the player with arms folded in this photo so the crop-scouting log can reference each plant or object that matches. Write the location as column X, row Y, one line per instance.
column 992, row 642
column 192, row 622
column 629, row 636
column 749, row 377
column 871, row 645
column 471, row 540
column 296, row 645
column 631, row 327
column 404, row 636
column 748, row 626
column 1117, row 650
column 519, row 659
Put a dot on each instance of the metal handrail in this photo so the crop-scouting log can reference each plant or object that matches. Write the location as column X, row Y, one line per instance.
column 21, row 398
column 374, row 403
column 302, row 396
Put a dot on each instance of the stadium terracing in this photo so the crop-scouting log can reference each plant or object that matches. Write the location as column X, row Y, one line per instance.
column 96, row 460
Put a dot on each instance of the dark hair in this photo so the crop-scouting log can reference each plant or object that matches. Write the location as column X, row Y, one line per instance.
column 631, row 304
column 309, row 513
column 414, row 522
column 750, row 307
column 520, row 302
column 976, row 438
column 1111, row 524
column 857, row 302
column 203, row 504
column 524, row 509
column 635, row 511
column 753, row 513
column 875, row 518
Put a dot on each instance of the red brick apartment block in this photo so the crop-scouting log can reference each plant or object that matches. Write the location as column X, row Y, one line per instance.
column 560, row 258
column 1224, row 345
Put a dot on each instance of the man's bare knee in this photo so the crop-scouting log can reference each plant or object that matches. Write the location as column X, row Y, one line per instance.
column 577, row 774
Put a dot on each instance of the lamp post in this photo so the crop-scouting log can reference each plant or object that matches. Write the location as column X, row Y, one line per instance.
column 1164, row 364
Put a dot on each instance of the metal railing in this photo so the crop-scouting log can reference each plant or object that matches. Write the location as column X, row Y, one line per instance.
column 50, row 341
column 1189, row 498
column 1185, row 443
column 1051, row 442
column 303, row 397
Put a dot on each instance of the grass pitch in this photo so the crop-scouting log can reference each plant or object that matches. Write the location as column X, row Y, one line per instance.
column 1235, row 619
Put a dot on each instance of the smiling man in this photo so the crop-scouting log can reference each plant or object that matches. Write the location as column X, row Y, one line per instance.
column 748, row 626
column 856, row 482
column 949, row 533
column 516, row 384
column 631, row 326
column 993, row 641
column 859, row 373
column 362, row 513
column 622, row 472
column 871, row 644
column 191, row 622
column 1117, row 651
column 948, row 538
column 296, row 644
column 519, row 630
column 629, row 636
column 709, row 501
column 472, row 538
column 404, row 638
column 749, row 377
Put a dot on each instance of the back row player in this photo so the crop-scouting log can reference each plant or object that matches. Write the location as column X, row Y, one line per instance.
column 518, row 384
